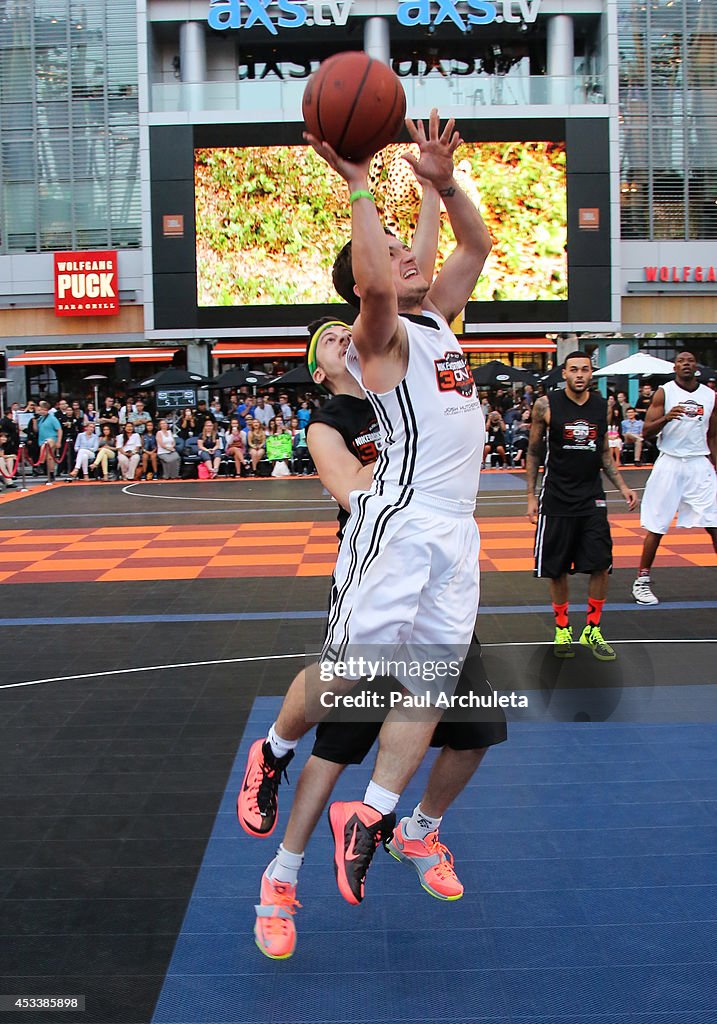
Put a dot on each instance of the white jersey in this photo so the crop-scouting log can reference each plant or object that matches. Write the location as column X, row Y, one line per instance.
column 686, row 437
column 432, row 425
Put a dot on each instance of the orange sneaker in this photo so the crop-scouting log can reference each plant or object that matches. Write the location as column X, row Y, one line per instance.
column 275, row 931
column 357, row 830
column 432, row 860
column 257, row 803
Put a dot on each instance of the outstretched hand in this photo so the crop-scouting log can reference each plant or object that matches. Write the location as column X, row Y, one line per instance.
column 436, row 160
column 355, row 173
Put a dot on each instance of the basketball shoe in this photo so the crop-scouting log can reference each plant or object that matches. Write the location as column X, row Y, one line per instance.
column 275, row 931
column 563, row 643
column 592, row 637
column 642, row 591
column 432, row 860
column 257, row 803
column 357, row 830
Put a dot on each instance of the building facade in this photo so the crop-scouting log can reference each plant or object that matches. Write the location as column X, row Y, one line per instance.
column 168, row 132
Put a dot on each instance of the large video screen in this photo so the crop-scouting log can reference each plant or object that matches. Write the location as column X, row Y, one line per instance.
column 270, row 220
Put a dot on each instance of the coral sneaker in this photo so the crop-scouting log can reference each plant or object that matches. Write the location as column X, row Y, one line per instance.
column 357, row 830
column 275, row 931
column 257, row 803
column 432, row 860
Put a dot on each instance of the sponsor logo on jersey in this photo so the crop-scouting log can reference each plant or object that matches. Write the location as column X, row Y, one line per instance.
column 366, row 444
column 453, row 374
column 692, row 409
column 580, row 435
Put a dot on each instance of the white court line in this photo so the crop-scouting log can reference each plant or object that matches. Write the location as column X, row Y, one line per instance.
column 284, row 657
column 173, row 497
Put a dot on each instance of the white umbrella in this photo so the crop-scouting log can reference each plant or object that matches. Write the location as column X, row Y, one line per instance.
column 633, row 366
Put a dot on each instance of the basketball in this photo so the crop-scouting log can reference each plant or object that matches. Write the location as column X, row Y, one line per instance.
column 355, row 103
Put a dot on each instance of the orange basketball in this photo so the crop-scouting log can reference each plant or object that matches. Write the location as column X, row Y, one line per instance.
column 355, row 103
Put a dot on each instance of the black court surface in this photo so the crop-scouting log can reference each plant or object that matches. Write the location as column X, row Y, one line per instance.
column 587, row 843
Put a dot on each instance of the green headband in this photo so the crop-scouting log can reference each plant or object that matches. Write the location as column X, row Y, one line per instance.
column 311, row 347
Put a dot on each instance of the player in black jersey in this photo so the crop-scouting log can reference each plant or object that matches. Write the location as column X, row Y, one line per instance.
column 343, row 438
column 573, row 532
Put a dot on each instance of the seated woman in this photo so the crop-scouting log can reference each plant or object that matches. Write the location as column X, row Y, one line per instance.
column 235, row 445
column 129, row 451
column 8, row 456
column 106, row 451
column 494, row 439
column 86, row 445
column 209, row 447
column 149, row 451
column 256, row 443
column 187, row 432
column 167, row 451
column 614, row 436
column 521, row 435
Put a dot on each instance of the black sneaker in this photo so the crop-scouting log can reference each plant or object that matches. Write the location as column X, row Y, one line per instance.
column 257, row 803
column 357, row 830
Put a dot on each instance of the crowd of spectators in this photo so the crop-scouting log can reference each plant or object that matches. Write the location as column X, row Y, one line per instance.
column 236, row 433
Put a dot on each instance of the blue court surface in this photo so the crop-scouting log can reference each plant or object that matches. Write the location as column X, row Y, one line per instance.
column 587, row 855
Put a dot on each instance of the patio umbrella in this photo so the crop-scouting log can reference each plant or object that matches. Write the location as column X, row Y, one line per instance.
column 552, row 378
column 173, row 378
column 641, row 364
column 496, row 374
column 299, row 375
column 705, row 373
column 241, row 378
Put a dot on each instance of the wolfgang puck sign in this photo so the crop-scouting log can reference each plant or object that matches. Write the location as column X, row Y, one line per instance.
column 86, row 283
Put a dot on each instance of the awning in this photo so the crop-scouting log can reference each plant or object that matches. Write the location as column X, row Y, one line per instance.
column 60, row 357
column 287, row 349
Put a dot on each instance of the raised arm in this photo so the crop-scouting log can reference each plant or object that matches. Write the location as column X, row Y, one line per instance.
column 375, row 328
column 455, row 283
column 425, row 238
column 538, row 426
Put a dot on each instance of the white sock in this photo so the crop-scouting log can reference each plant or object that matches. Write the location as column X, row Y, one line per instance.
column 419, row 825
column 279, row 746
column 380, row 799
column 285, row 866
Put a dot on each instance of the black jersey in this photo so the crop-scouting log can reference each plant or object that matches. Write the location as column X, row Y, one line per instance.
column 355, row 420
column 572, row 484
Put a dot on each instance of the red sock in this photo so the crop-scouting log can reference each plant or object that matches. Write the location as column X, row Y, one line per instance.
column 594, row 611
column 561, row 614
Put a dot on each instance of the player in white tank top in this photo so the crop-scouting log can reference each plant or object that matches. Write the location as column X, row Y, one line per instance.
column 684, row 417
column 407, row 569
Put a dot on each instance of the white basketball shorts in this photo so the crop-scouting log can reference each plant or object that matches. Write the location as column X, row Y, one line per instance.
column 687, row 487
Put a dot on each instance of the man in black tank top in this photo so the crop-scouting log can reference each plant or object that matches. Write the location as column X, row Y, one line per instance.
column 573, row 533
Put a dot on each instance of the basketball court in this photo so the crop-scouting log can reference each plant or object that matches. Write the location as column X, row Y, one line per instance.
column 149, row 633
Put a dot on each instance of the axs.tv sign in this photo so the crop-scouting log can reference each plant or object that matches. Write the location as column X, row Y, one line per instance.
column 228, row 14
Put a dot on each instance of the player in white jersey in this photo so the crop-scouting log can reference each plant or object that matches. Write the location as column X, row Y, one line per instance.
column 684, row 417
column 407, row 573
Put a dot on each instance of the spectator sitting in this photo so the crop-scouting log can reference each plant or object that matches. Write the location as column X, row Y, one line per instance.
column 494, row 439
column 167, row 451
column 106, row 451
column 521, row 434
column 235, row 445
column 86, row 445
column 632, row 429
column 129, row 451
column 202, row 415
column 262, row 411
column 301, row 449
column 209, row 447
column 149, row 451
column 256, row 443
column 8, row 456
column 215, row 409
column 279, row 447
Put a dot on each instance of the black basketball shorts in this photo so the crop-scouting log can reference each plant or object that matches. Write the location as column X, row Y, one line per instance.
column 568, row 544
